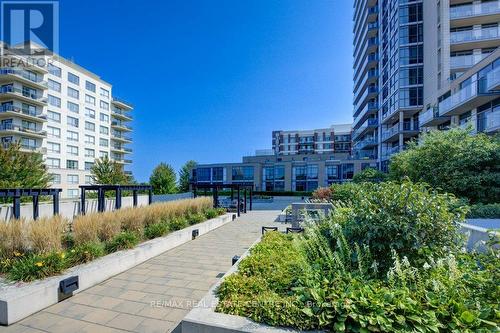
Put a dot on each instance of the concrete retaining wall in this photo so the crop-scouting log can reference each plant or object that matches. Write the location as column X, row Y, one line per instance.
column 20, row 300
column 71, row 208
column 477, row 237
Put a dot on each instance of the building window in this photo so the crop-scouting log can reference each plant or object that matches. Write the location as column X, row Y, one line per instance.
column 73, row 107
column 53, row 147
column 73, row 93
column 53, row 163
column 103, row 154
column 88, row 180
column 90, row 126
column 73, row 78
column 89, row 152
column 90, row 100
column 104, row 118
column 73, row 193
column 55, row 178
column 53, row 132
column 104, row 130
column 54, row 116
column 203, row 174
column 347, row 171
column 72, row 150
column 54, row 86
column 89, row 139
column 54, row 101
column 103, row 142
column 73, row 179
column 54, row 70
column 312, row 171
column 90, row 86
column 104, row 93
column 72, row 121
column 71, row 164
column 245, row 173
column 88, row 165
column 90, row 113
column 104, row 105
column 218, row 174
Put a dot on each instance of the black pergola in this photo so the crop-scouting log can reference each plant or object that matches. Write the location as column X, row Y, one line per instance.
column 35, row 193
column 233, row 186
column 101, row 194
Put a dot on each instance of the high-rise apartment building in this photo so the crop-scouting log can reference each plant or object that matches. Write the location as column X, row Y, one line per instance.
column 65, row 112
column 421, row 65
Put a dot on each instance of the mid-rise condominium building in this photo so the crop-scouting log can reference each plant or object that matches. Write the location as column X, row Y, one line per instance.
column 65, row 112
column 300, row 160
column 421, row 65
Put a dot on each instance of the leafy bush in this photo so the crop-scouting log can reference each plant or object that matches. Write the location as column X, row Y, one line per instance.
column 211, row 213
column 409, row 218
column 155, row 230
column 34, row 266
column 85, row 252
column 122, row 241
column 177, row 223
column 346, row 192
column 322, row 193
column 369, row 175
column 196, row 218
column 487, row 211
column 453, row 161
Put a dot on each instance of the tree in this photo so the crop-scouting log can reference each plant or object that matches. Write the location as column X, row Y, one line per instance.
column 370, row 175
column 185, row 174
column 163, row 179
column 453, row 161
column 108, row 172
column 22, row 169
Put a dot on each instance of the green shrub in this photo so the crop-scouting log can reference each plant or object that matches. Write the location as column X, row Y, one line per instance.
column 221, row 210
column 344, row 192
column 487, row 211
column 369, row 175
column 409, row 218
column 85, row 252
column 211, row 213
column 177, row 223
column 155, row 230
column 196, row 218
column 33, row 266
column 122, row 241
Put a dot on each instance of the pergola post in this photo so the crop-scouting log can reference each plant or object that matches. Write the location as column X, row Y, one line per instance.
column 82, row 201
column 16, row 207
column 150, row 196
column 195, row 194
column 118, row 198
column 238, row 198
column 35, row 207
column 215, row 195
column 232, row 194
column 134, row 197
column 55, row 203
column 245, row 201
column 100, row 203
column 251, row 200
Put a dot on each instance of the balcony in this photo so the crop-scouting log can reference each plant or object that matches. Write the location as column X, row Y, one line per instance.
column 431, row 117
column 121, row 149
column 121, row 160
column 471, row 14
column 122, row 103
column 24, row 76
column 12, row 92
column 488, row 122
column 120, row 125
column 476, row 38
column 370, row 77
column 470, row 96
column 118, row 136
column 465, row 61
column 370, row 123
column 366, row 143
column 388, row 152
column 18, row 130
column 369, row 109
column 120, row 114
column 407, row 129
column 493, row 80
column 11, row 110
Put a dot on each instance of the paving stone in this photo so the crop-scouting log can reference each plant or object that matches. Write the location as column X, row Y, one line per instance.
column 100, row 316
column 150, row 325
column 125, row 321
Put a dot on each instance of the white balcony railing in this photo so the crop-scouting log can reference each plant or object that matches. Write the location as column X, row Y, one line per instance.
column 474, row 35
column 464, row 11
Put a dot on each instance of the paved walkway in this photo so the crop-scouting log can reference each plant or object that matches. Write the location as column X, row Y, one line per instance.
column 156, row 295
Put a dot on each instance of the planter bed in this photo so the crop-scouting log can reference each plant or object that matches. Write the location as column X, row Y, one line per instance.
column 19, row 300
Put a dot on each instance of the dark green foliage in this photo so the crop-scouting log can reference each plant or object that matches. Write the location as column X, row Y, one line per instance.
column 196, row 218
column 155, row 230
column 33, row 267
column 86, row 252
column 487, row 211
column 344, row 192
column 453, row 161
column 106, row 171
column 185, row 174
column 211, row 213
column 122, row 241
column 177, row 223
column 370, row 175
column 22, row 169
column 163, row 179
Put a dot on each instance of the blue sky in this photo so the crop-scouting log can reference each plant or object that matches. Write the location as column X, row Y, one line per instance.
column 210, row 79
